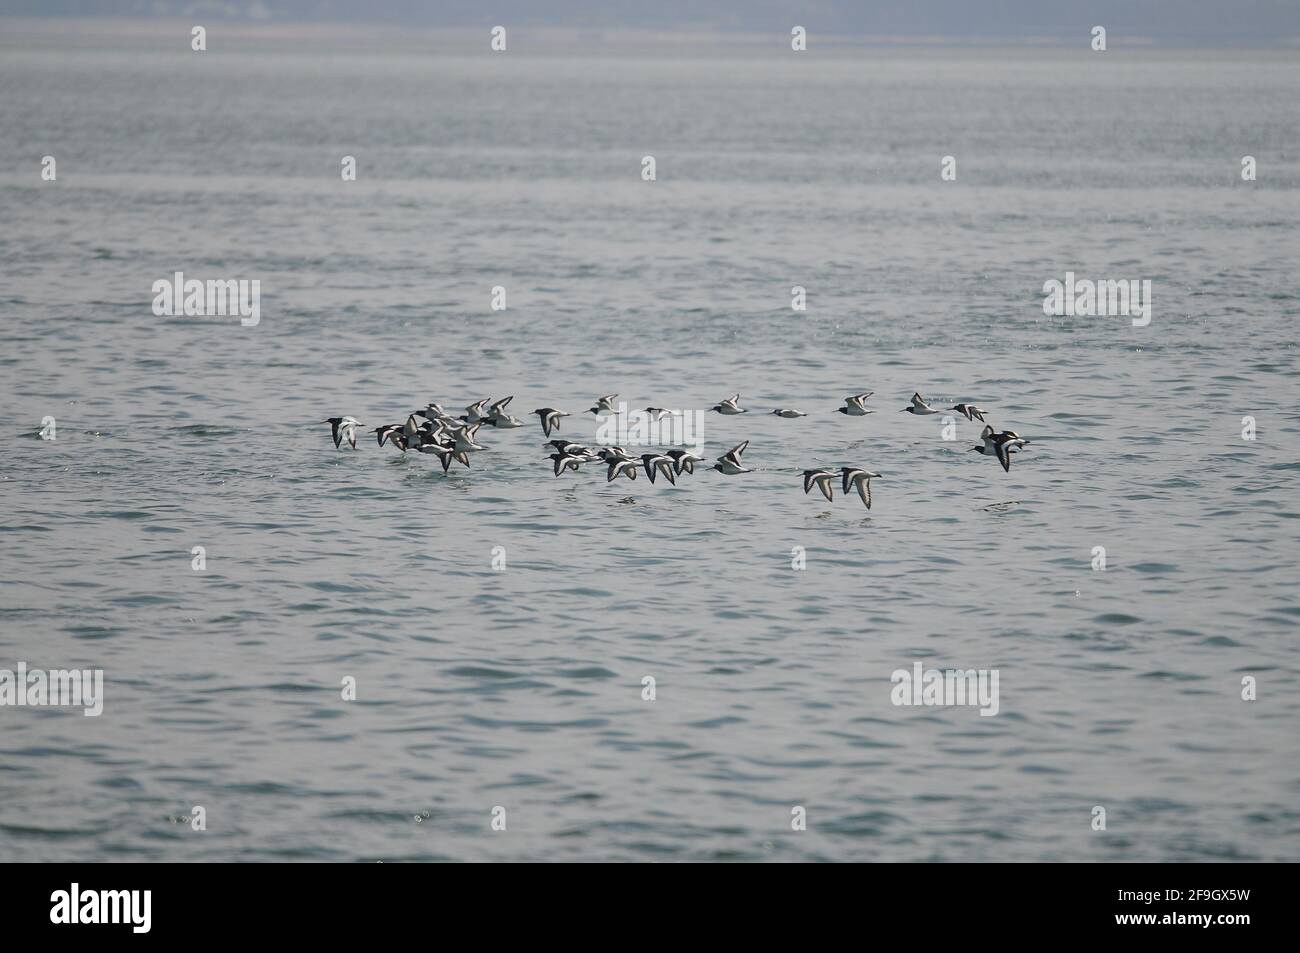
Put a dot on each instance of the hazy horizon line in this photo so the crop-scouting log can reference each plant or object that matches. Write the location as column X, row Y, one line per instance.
column 554, row 38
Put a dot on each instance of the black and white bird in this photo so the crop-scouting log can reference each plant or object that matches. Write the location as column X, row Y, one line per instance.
column 383, row 433
column 919, row 407
column 684, row 461
column 343, row 428
column 496, row 414
column 604, row 405
column 788, row 413
column 730, row 407
column 619, row 468
column 658, row 463
column 1000, row 445
column 432, row 411
column 657, row 414
column 445, row 452
column 729, row 462
column 474, row 413
column 859, row 479
column 564, row 461
column 820, row 479
column 855, row 406
column 550, row 418
column 392, row 433
column 430, row 429
column 436, row 422
column 615, row 455
column 970, row 411
column 463, row 438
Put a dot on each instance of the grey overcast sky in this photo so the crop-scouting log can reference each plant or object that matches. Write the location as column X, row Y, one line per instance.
column 1175, row 22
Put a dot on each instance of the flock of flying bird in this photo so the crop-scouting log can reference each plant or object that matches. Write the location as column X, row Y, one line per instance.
column 452, row 438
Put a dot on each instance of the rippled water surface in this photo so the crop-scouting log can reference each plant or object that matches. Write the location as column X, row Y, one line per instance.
column 523, row 688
